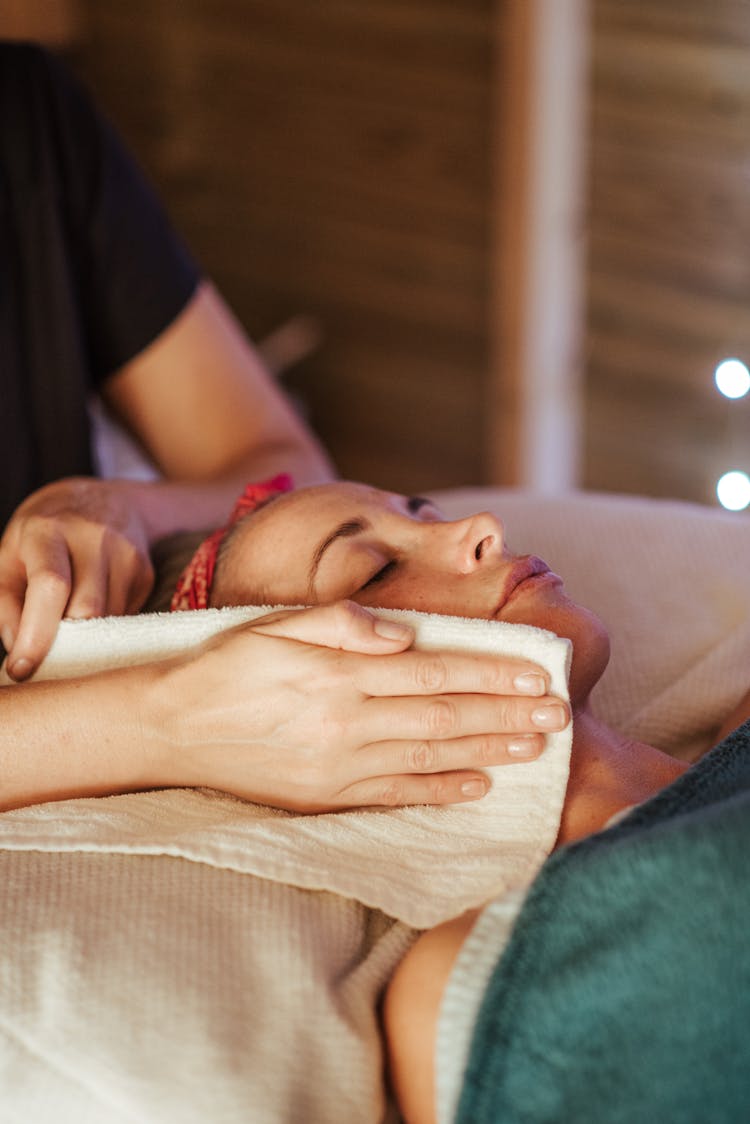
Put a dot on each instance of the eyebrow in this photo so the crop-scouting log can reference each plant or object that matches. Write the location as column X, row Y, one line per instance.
column 344, row 530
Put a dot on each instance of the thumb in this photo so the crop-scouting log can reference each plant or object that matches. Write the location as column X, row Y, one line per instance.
column 344, row 625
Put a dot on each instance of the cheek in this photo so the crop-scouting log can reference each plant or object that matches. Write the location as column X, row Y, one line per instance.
column 452, row 595
column 400, row 593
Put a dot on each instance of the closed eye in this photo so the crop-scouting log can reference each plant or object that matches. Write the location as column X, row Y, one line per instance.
column 380, row 574
column 423, row 508
column 414, row 504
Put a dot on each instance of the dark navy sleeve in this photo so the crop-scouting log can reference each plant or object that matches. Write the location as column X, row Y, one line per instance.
column 134, row 274
column 91, row 271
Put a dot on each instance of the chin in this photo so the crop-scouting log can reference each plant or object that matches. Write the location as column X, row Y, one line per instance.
column 586, row 631
column 591, row 650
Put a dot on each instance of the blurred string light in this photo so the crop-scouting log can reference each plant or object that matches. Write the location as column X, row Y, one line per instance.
column 733, row 490
column 732, row 379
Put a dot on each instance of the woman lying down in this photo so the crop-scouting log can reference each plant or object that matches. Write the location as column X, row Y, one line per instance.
column 622, row 955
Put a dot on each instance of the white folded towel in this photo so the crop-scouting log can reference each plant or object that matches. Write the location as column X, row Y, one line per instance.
column 421, row 865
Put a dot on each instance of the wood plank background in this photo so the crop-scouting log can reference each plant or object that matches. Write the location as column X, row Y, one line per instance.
column 330, row 159
column 336, row 159
column 669, row 244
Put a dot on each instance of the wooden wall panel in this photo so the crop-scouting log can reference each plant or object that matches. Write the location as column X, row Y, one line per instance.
column 669, row 232
column 332, row 159
column 345, row 159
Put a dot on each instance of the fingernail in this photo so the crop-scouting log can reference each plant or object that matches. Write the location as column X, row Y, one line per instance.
column 523, row 747
column 392, row 630
column 474, row 788
column 529, row 684
column 20, row 669
column 552, row 717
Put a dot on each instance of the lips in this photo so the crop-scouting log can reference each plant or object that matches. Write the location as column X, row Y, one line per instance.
column 522, row 571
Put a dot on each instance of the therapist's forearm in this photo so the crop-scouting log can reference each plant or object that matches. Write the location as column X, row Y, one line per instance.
column 202, row 405
column 166, row 506
column 81, row 737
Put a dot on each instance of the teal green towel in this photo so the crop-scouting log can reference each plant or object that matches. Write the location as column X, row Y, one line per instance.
column 624, row 993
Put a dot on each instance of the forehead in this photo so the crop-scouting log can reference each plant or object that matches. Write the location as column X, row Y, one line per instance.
column 272, row 549
column 301, row 517
column 325, row 501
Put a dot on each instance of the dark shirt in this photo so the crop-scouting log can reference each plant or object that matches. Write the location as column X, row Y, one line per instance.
column 90, row 270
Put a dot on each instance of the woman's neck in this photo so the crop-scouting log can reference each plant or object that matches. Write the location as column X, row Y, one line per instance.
column 608, row 772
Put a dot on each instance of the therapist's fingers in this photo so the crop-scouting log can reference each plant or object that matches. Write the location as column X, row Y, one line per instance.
column 436, row 772
column 11, row 600
column 137, row 590
column 402, row 789
column 88, row 595
column 449, row 673
column 110, row 577
column 444, row 717
column 351, row 627
column 343, row 625
column 441, row 673
column 90, row 582
column 47, row 566
column 12, row 589
column 440, row 755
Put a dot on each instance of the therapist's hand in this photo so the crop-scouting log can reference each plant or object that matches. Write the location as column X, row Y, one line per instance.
column 324, row 709
column 76, row 548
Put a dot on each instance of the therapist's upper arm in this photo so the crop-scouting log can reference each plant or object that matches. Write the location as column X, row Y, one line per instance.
column 201, row 402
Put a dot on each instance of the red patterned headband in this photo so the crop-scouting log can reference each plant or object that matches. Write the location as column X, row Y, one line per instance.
column 194, row 587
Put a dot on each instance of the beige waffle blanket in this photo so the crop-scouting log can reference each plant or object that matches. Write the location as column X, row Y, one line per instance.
column 177, row 957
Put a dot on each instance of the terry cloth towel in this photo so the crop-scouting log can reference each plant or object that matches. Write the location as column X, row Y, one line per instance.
column 624, row 992
column 420, row 865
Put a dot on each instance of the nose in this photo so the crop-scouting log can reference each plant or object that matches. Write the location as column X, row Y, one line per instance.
column 474, row 542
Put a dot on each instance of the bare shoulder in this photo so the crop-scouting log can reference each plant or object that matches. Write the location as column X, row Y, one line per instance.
column 410, row 1015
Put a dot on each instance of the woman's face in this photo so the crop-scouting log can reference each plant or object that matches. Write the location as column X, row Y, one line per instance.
column 378, row 548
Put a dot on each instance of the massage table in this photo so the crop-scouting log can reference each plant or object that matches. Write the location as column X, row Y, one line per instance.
column 142, row 982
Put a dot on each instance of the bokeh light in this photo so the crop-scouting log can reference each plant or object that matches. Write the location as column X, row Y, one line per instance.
column 733, row 490
column 732, row 378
